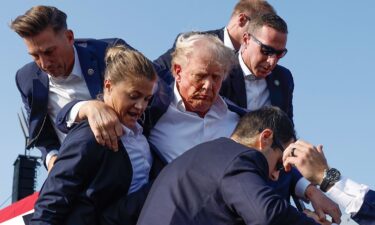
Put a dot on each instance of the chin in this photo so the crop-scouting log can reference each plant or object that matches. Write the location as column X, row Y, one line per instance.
column 129, row 123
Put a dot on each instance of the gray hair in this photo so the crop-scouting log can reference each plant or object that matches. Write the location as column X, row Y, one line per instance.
column 191, row 42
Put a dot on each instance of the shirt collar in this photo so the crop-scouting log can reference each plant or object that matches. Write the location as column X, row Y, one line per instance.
column 133, row 132
column 244, row 68
column 77, row 71
column 219, row 106
column 227, row 40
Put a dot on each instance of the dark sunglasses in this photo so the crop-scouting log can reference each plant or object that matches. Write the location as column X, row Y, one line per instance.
column 277, row 144
column 268, row 50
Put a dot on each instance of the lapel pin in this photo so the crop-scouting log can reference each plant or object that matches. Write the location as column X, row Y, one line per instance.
column 90, row 71
column 277, row 82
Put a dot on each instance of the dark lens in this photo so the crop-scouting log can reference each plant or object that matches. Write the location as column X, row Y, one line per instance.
column 266, row 50
column 281, row 53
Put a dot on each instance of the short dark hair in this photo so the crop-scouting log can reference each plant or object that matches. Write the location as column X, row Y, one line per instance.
column 270, row 20
column 271, row 117
column 37, row 19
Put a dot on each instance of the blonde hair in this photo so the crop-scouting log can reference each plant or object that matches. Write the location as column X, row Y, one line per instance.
column 124, row 63
column 191, row 42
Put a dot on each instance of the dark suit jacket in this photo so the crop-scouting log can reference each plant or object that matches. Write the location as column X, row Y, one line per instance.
column 279, row 83
column 164, row 61
column 33, row 86
column 366, row 214
column 85, row 179
column 217, row 182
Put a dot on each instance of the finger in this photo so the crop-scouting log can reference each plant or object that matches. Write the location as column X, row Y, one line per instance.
column 289, row 162
column 320, row 149
column 336, row 216
column 118, row 129
column 114, row 143
column 321, row 214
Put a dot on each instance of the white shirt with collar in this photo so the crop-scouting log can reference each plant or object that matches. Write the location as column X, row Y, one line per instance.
column 179, row 130
column 63, row 91
column 227, row 41
column 257, row 93
column 138, row 149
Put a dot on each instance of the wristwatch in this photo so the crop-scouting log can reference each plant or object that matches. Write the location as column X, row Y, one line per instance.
column 330, row 177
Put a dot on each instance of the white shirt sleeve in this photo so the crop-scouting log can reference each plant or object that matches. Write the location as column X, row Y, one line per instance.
column 49, row 156
column 300, row 189
column 72, row 115
column 348, row 194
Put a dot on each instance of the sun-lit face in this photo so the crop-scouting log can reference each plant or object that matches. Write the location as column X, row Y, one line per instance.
column 129, row 98
column 258, row 63
column 52, row 52
column 199, row 82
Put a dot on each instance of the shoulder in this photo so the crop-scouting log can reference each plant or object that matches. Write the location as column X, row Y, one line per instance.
column 99, row 45
column 26, row 74
column 282, row 71
column 81, row 134
column 282, row 74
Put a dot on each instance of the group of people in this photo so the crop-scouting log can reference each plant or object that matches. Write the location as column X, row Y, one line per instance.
column 202, row 135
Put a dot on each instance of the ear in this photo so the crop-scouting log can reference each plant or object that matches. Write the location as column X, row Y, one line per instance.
column 177, row 72
column 245, row 38
column 108, row 85
column 69, row 36
column 265, row 139
column 242, row 19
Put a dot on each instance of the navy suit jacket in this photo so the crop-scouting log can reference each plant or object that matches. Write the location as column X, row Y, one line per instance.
column 85, row 179
column 280, row 85
column 366, row 214
column 33, row 86
column 217, row 182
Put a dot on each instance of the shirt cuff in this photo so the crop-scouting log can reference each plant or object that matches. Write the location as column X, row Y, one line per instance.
column 348, row 194
column 72, row 115
column 301, row 187
column 49, row 156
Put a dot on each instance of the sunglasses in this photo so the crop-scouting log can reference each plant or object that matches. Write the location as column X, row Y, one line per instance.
column 268, row 50
column 277, row 144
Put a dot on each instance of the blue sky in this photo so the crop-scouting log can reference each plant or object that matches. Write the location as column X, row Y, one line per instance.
column 331, row 52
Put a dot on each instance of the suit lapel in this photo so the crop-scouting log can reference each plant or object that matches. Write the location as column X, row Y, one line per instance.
column 238, row 89
column 90, row 70
column 40, row 101
column 274, row 88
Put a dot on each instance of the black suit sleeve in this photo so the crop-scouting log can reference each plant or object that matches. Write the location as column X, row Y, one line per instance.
column 246, row 192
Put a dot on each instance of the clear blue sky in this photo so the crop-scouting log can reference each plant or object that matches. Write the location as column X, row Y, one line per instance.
column 331, row 52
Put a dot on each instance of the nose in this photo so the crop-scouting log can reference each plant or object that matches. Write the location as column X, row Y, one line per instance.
column 45, row 63
column 272, row 60
column 208, row 83
column 141, row 105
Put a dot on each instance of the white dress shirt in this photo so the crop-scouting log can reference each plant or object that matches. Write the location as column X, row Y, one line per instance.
column 227, row 41
column 257, row 93
column 63, row 91
column 140, row 156
column 179, row 130
column 348, row 194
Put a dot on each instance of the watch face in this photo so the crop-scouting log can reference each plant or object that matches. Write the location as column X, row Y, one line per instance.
column 333, row 175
